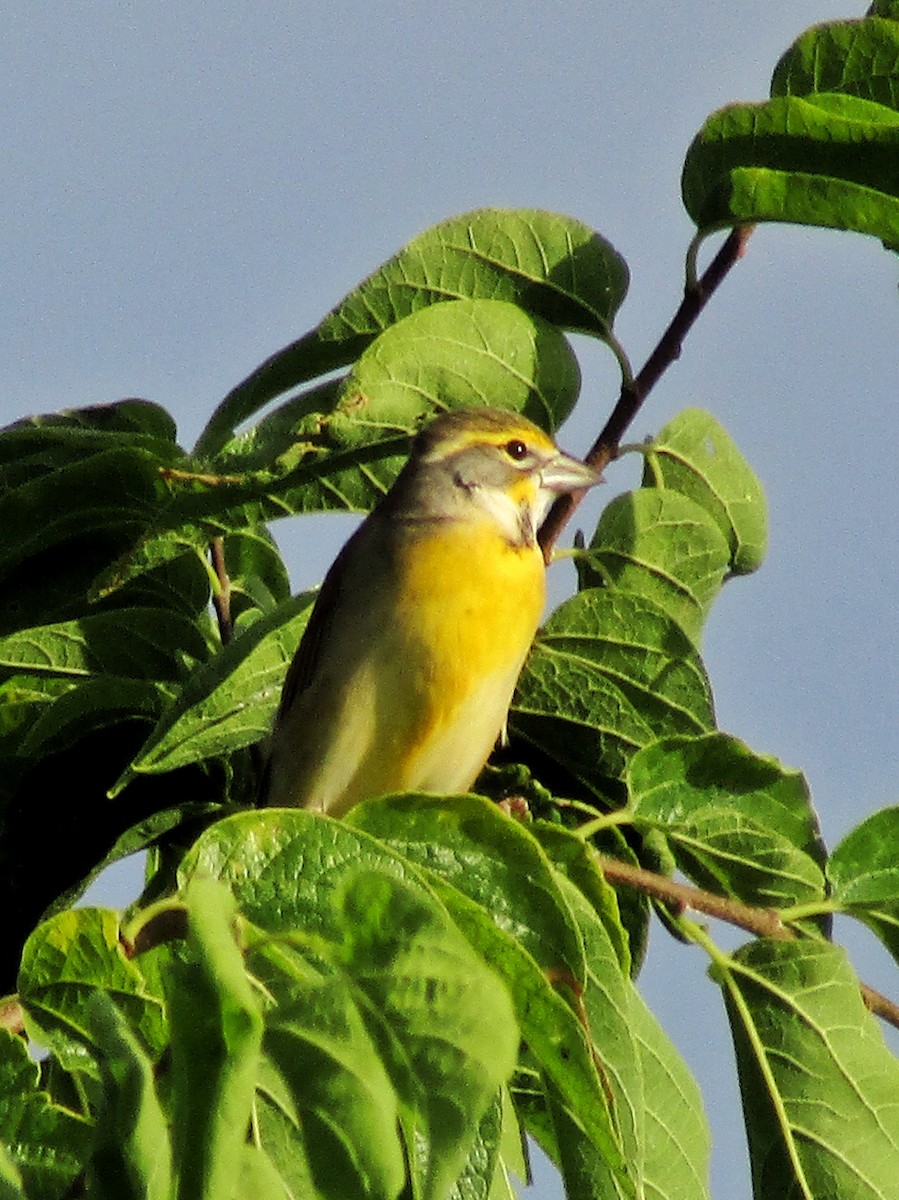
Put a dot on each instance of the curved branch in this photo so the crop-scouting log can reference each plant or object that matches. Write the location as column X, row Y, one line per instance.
column 762, row 922
column 632, row 395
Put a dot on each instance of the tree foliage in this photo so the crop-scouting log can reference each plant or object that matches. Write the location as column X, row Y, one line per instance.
column 380, row 1006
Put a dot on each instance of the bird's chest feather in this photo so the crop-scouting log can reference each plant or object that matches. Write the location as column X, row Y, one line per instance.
column 467, row 606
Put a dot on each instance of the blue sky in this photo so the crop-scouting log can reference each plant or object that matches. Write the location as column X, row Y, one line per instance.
column 189, row 187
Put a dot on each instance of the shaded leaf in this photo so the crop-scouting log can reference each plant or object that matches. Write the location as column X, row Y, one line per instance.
column 45, row 1144
column 229, row 702
column 826, row 159
column 257, row 575
column 139, row 421
column 116, row 492
column 673, row 778
column 609, row 673
column 695, row 455
column 91, row 706
column 146, row 643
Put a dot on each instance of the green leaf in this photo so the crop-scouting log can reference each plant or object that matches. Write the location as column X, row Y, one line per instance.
column 230, row 701
column 673, row 778
column 216, row 1036
column 45, row 1145
column 151, row 643
column 258, row 579
column 864, row 874
column 442, row 1020
column 259, row 1178
column 462, row 841
column 64, row 962
column 676, row 1136
column 328, row 1098
column 734, row 855
column 656, row 1102
column 463, row 354
column 576, row 859
column 858, row 58
column 345, row 457
column 453, row 1037
column 819, row 1085
column 550, row 265
column 664, row 546
column 469, row 843
column 605, row 1001
column 131, row 1154
column 483, row 1174
column 115, row 491
column 10, row 1178
column 695, row 455
column 609, row 673
column 824, row 160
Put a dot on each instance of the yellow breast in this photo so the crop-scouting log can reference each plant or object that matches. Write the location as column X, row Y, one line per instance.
column 412, row 689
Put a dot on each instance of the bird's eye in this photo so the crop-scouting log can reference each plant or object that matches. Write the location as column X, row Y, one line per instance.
column 516, row 450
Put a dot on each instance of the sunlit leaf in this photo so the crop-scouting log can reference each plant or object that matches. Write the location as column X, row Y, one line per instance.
column 550, row 265
column 819, row 1085
column 864, row 873
column 694, row 454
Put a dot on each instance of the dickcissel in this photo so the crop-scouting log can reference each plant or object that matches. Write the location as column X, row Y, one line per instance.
column 405, row 673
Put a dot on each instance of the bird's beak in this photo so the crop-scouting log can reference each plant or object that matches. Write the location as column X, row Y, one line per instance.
column 566, row 474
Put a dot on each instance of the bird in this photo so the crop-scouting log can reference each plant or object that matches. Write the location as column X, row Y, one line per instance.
column 405, row 672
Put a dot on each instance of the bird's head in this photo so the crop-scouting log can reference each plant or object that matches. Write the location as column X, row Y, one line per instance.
column 485, row 461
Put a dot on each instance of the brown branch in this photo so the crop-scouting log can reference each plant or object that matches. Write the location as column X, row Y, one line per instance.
column 762, row 922
column 632, row 395
column 880, row 1005
column 221, row 599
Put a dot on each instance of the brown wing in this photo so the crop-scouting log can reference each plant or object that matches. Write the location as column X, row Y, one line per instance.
column 305, row 662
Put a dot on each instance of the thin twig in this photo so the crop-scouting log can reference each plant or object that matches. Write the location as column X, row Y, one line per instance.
column 762, row 922
column 221, row 596
column 632, row 395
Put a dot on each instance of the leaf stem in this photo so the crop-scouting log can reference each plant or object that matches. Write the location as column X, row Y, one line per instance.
column 634, row 392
